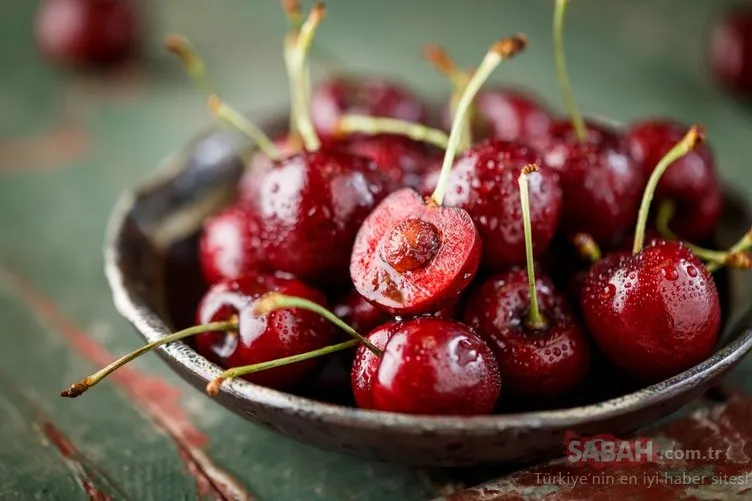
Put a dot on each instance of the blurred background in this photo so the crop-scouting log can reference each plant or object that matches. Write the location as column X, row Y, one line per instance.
column 72, row 138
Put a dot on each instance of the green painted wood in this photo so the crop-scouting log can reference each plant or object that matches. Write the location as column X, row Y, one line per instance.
column 69, row 142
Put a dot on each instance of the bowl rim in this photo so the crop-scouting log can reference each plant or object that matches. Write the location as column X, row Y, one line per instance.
column 151, row 327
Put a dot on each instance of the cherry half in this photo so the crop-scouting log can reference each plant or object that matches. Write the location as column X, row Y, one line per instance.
column 541, row 350
column 413, row 256
column 428, row 366
column 655, row 313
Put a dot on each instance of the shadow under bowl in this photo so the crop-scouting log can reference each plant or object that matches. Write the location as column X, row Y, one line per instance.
column 153, row 273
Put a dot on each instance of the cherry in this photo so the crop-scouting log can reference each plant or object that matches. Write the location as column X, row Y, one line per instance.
column 361, row 315
column 539, row 346
column 731, row 50
column 690, row 183
column 87, row 32
column 655, row 313
column 229, row 246
column 413, row 256
column 365, row 96
column 262, row 338
column 428, row 366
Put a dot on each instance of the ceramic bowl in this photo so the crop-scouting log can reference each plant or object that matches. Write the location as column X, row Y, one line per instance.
column 151, row 265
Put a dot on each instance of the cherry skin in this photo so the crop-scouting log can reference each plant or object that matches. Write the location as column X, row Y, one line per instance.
column 512, row 115
column 601, row 186
column 358, row 313
column 87, row 32
column 428, row 366
column 366, row 96
column 690, row 182
column 278, row 334
column 229, row 245
column 484, row 183
column 731, row 50
column 412, row 257
column 545, row 363
column 310, row 206
column 653, row 314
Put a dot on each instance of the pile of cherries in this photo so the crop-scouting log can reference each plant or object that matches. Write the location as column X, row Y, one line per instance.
column 501, row 268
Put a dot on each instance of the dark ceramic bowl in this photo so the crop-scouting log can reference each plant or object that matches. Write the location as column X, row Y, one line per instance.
column 152, row 269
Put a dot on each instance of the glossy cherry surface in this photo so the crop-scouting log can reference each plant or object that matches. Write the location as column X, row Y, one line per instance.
column 731, row 50
column 483, row 182
column 428, row 366
column 365, row 96
column 412, row 257
column 690, row 182
column 512, row 115
column 601, row 186
column 543, row 363
column 87, row 32
column 654, row 314
column 310, row 206
column 358, row 313
column 278, row 334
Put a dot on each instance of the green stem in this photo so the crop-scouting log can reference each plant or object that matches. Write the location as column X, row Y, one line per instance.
column 78, row 388
column 743, row 245
column 689, row 142
column 213, row 387
column 230, row 117
column 300, row 77
column 377, row 125
column 563, row 76
column 535, row 319
column 192, row 63
column 666, row 211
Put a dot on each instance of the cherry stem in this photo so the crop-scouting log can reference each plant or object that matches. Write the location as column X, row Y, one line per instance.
column 365, row 124
column 666, row 212
column 694, row 138
column 299, row 76
column 230, row 117
column 213, row 387
column 503, row 49
column 736, row 256
column 79, row 388
column 294, row 17
column 192, row 62
column 293, row 13
column 586, row 247
column 459, row 79
column 561, row 73
column 275, row 301
column 534, row 319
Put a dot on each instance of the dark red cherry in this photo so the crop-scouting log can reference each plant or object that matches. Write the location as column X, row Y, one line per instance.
column 364, row 96
column 690, row 182
column 544, row 363
column 601, row 186
column 310, row 207
column 358, row 313
column 484, row 183
column 654, row 314
column 428, row 366
column 259, row 163
column 512, row 114
column 731, row 50
column 87, row 32
column 278, row 334
column 229, row 246
column 412, row 256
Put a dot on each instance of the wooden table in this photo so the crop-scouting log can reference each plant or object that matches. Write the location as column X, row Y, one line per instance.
column 69, row 142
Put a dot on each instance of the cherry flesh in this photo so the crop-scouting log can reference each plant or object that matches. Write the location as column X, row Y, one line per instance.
column 87, row 32
column 310, row 206
column 731, row 50
column 544, row 363
column 230, row 244
column 484, row 183
column 412, row 257
column 601, row 186
column 654, row 314
column 428, row 366
column 278, row 334
column 367, row 96
column 690, row 182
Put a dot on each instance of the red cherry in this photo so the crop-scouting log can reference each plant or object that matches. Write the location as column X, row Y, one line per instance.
column 361, row 315
column 366, row 96
column 731, row 50
column 229, row 246
column 278, row 334
column 428, row 366
column 542, row 363
column 484, row 183
column 654, row 314
column 512, row 115
column 690, row 183
column 87, row 32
